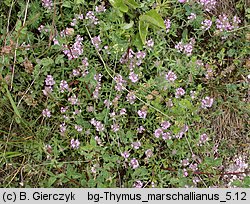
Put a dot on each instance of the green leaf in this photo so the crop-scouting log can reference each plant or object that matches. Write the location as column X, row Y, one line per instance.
column 119, row 4
column 66, row 4
column 127, row 26
column 79, row 1
column 143, row 31
column 136, row 41
column 47, row 61
column 132, row 3
column 153, row 18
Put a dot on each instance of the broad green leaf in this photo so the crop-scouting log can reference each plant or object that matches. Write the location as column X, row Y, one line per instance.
column 127, row 26
column 66, row 4
column 79, row 1
column 136, row 41
column 143, row 31
column 153, row 18
column 132, row 3
column 119, row 4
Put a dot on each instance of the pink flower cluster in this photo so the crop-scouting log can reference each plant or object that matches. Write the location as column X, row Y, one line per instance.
column 186, row 48
column 47, row 4
column 49, row 83
column 98, row 78
column 160, row 131
column 167, row 23
column 207, row 102
column 120, row 82
column 206, row 24
column 224, row 24
column 74, row 51
column 98, row 125
column 208, row 5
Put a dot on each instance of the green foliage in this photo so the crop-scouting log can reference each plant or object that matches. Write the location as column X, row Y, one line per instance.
column 94, row 68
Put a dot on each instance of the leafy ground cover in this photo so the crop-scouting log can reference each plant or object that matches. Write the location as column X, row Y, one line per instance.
column 124, row 93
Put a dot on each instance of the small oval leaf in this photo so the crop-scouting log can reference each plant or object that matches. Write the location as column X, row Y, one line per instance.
column 153, row 18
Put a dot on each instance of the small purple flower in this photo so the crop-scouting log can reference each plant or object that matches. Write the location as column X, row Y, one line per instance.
column 183, row 1
column 192, row 17
column 74, row 143
column 76, row 72
column 203, row 139
column 179, row 46
column 193, row 94
column 73, row 100
column 208, row 5
column 49, row 81
column 98, row 140
column 167, row 23
column 47, row 90
column 40, row 28
column 188, row 48
column 96, row 41
column 99, row 126
column 133, row 77
column 78, row 128
column 140, row 55
column 165, row 125
column 134, row 163
column 206, row 24
column 140, row 129
column 115, row 127
column 207, row 102
column 185, row 173
column 193, row 167
column 166, row 136
column 142, row 113
column 138, row 184
column 64, row 86
column 158, row 132
column 185, row 162
column 46, row 113
column 63, row 127
column 85, row 62
column 136, row 145
column 149, row 153
column 131, row 97
column 196, row 180
column 100, row 8
column 125, row 154
column 179, row 92
column 171, row 76
column 123, row 111
column 91, row 16
column 150, row 43
column 120, row 82
column 47, row 4
column 90, row 109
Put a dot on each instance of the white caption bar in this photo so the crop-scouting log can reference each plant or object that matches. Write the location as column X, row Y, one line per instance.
column 124, row 196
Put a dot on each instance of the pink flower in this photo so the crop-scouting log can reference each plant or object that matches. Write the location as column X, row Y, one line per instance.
column 166, row 136
column 149, row 153
column 207, row 102
column 138, row 184
column 171, row 76
column 125, row 154
column 142, row 113
column 136, row 145
column 46, row 113
column 165, row 125
column 74, row 143
column 179, row 92
column 158, row 132
column 134, row 163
